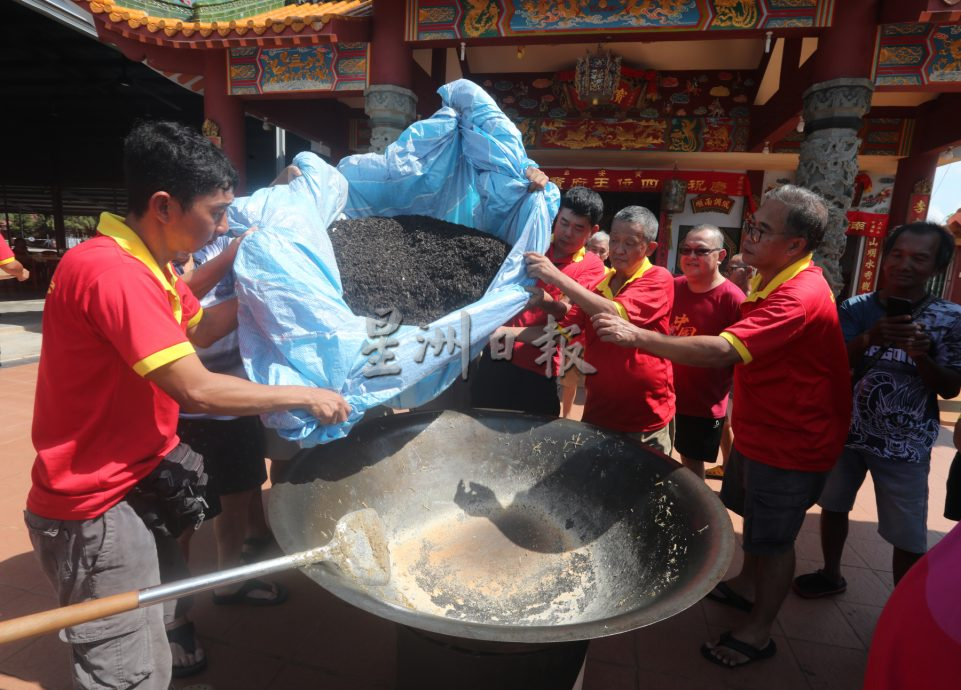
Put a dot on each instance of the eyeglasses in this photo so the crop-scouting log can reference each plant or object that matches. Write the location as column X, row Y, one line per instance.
column 754, row 232
column 698, row 251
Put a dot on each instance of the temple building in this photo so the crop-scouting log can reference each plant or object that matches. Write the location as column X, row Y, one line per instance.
column 690, row 107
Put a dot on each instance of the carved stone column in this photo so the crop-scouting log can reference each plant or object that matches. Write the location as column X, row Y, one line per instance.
column 829, row 158
column 390, row 109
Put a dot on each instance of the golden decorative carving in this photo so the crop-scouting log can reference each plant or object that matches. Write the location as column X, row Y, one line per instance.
column 736, row 14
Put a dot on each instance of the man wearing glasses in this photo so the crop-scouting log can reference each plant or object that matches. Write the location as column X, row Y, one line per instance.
column 705, row 303
column 792, row 394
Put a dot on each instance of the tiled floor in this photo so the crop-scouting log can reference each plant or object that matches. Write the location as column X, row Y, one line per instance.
column 316, row 641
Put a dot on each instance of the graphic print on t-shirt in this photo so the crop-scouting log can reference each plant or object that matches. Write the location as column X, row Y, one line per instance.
column 895, row 414
column 681, row 325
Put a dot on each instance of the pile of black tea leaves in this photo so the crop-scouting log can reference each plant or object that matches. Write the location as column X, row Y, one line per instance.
column 423, row 267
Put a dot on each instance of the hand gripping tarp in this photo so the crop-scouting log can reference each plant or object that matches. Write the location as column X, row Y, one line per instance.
column 466, row 164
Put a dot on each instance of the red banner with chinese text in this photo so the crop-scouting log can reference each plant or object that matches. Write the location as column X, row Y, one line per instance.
column 867, row 224
column 603, row 180
column 918, row 207
column 870, row 265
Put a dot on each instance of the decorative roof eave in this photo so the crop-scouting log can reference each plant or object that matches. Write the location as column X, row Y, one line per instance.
column 278, row 28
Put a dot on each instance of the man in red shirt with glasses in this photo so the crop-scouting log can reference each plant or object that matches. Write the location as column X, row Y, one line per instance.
column 792, row 395
column 705, row 303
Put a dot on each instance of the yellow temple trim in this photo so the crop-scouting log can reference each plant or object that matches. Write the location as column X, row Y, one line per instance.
column 295, row 17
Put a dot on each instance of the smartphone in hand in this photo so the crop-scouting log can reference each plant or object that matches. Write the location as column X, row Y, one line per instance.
column 898, row 306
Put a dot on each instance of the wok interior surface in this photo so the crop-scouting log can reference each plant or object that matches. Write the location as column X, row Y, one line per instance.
column 510, row 527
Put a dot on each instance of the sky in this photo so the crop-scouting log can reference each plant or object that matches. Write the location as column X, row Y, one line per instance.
column 946, row 192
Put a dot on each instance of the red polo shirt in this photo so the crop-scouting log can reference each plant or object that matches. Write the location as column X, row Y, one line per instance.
column 583, row 266
column 112, row 315
column 6, row 254
column 703, row 391
column 792, row 392
column 631, row 391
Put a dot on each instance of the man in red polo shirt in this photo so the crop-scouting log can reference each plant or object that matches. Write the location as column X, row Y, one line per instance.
column 792, row 394
column 631, row 391
column 705, row 303
column 523, row 383
column 116, row 365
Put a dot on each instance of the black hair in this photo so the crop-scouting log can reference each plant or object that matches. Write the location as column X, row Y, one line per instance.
column 945, row 240
column 584, row 202
column 173, row 158
column 807, row 213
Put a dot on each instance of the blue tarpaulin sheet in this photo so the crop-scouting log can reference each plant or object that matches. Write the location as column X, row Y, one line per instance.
column 466, row 164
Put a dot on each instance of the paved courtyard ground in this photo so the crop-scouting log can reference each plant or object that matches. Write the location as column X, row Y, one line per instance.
column 316, row 641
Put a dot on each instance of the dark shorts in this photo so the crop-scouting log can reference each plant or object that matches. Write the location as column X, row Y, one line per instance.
column 698, row 438
column 233, row 451
column 502, row 385
column 772, row 501
column 952, row 498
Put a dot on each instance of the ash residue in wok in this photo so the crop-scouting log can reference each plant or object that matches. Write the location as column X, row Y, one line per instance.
column 423, row 267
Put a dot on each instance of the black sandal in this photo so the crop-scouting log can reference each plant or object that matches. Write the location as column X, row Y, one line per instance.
column 724, row 594
column 751, row 652
column 817, row 584
column 185, row 636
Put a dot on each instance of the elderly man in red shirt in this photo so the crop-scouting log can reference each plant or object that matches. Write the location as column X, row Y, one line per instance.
column 630, row 391
column 792, row 394
column 116, row 365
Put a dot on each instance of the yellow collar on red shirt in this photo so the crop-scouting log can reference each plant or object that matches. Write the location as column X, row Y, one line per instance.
column 112, row 226
column 604, row 287
column 753, row 294
column 576, row 259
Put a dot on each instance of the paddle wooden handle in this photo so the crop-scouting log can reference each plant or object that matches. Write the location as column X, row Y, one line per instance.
column 66, row 616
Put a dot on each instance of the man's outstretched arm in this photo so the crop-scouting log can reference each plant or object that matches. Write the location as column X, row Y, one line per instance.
column 696, row 351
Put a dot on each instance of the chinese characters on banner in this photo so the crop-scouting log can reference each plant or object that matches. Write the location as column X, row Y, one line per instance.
column 868, row 276
column 603, row 180
column 918, row 207
column 381, row 362
column 873, row 227
column 712, row 203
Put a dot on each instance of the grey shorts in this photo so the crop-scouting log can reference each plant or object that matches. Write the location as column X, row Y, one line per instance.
column 772, row 501
column 86, row 559
column 660, row 439
column 900, row 489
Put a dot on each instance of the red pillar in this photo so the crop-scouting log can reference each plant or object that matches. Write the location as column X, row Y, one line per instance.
column 226, row 111
column 390, row 57
column 847, row 48
column 915, row 168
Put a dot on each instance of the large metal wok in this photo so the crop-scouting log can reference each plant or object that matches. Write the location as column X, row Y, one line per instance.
column 508, row 527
